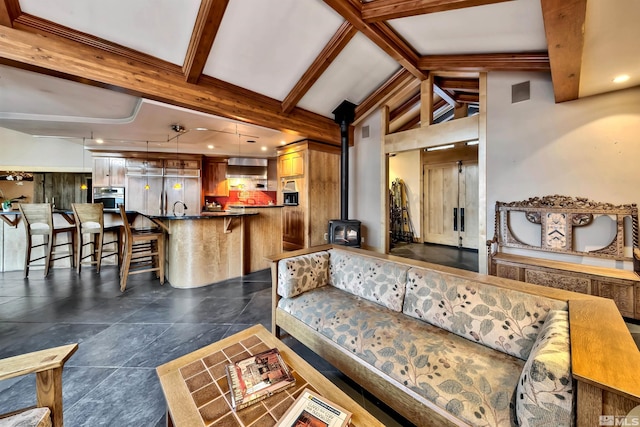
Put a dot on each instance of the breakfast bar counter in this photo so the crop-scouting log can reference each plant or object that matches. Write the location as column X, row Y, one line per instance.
column 205, row 248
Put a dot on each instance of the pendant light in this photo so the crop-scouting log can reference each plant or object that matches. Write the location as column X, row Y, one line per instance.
column 146, row 186
column 177, row 185
column 83, row 186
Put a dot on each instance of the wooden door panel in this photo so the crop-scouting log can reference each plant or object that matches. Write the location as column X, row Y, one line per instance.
column 441, row 184
column 469, row 202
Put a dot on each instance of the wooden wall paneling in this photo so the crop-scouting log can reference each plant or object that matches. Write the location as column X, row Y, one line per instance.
column 324, row 193
column 263, row 237
column 589, row 399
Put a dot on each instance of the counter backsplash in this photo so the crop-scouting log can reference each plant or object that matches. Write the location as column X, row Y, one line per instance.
column 244, row 197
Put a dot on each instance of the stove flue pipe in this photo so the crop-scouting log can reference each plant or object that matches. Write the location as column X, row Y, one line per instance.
column 344, row 116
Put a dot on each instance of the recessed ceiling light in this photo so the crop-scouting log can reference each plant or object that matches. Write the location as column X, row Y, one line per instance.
column 99, row 141
column 283, row 142
column 621, row 78
column 264, row 148
column 210, row 147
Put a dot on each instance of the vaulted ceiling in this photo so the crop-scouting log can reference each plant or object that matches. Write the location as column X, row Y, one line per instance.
column 272, row 71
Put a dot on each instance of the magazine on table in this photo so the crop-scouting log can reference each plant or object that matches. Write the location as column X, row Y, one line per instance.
column 257, row 377
column 313, row 410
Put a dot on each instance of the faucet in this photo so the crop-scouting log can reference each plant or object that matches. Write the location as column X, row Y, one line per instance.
column 184, row 208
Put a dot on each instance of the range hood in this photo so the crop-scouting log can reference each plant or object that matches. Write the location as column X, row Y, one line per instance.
column 242, row 167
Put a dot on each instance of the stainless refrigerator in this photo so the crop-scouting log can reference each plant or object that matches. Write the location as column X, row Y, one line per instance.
column 162, row 195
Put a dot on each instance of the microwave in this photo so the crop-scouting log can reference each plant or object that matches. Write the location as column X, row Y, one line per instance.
column 110, row 197
column 291, row 199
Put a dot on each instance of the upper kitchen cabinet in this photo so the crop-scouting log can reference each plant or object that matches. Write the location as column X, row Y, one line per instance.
column 291, row 164
column 108, row 172
column 215, row 180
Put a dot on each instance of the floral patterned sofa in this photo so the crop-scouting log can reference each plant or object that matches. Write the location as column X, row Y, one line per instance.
column 434, row 343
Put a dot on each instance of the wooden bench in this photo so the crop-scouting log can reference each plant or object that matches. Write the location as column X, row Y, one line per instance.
column 559, row 217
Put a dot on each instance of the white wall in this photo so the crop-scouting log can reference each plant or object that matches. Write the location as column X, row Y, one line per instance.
column 406, row 166
column 22, row 152
column 366, row 182
column 588, row 147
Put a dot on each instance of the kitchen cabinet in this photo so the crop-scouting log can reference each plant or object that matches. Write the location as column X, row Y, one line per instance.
column 108, row 172
column 315, row 169
column 215, row 180
column 291, row 164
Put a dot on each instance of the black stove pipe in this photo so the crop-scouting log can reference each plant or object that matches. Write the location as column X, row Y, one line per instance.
column 344, row 116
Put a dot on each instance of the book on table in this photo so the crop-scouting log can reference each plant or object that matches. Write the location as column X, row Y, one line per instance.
column 257, row 377
column 313, row 410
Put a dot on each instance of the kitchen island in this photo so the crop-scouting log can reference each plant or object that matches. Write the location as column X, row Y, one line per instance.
column 204, row 249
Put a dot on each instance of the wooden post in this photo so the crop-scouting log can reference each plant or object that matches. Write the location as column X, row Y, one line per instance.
column 426, row 102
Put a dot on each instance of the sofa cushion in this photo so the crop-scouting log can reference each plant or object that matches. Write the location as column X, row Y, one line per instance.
column 545, row 391
column 376, row 280
column 503, row 319
column 470, row 381
column 302, row 273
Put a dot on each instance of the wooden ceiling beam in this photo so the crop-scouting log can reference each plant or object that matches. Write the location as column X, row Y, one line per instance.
column 33, row 24
column 380, row 34
column 410, row 124
column 337, row 43
column 564, row 27
column 467, row 98
column 458, row 85
column 399, row 81
column 204, row 33
column 9, row 11
column 405, row 107
column 445, row 96
column 86, row 64
column 382, row 10
column 533, row 61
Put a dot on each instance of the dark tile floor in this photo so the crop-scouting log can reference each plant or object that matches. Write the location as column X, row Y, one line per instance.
column 466, row 259
column 111, row 379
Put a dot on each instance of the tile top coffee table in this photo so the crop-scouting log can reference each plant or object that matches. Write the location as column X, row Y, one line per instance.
column 197, row 394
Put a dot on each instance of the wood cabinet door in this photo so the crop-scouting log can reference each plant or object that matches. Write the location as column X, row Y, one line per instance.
column 216, row 183
column 101, row 171
column 293, row 227
column 291, row 165
column 117, row 172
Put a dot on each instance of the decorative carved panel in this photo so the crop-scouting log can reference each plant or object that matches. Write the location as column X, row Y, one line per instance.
column 620, row 293
column 566, row 281
column 508, row 272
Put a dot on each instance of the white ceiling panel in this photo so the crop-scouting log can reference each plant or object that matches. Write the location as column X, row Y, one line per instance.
column 611, row 46
column 513, row 26
column 160, row 28
column 266, row 45
column 359, row 69
column 33, row 96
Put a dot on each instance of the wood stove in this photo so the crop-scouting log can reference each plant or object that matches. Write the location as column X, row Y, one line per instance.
column 344, row 231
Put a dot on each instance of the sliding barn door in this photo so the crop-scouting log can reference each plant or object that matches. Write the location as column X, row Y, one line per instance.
column 451, row 204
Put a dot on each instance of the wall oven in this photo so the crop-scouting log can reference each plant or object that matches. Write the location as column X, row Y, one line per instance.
column 110, row 197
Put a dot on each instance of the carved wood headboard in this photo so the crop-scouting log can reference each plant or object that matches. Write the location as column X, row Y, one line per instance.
column 558, row 216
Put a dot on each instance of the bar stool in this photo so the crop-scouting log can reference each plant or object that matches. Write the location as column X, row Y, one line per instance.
column 143, row 251
column 89, row 219
column 38, row 221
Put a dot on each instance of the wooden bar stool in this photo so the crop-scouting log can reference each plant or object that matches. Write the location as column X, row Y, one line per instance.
column 89, row 219
column 38, row 221
column 143, row 251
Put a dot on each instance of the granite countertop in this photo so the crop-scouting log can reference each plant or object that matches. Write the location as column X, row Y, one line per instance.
column 202, row 215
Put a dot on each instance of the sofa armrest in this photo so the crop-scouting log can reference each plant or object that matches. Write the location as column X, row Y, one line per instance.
column 604, row 359
column 47, row 365
column 37, row 361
